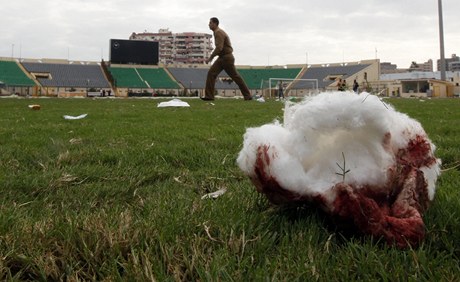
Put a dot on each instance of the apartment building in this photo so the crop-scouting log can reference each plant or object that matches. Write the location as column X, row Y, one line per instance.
column 179, row 48
column 452, row 61
column 424, row 67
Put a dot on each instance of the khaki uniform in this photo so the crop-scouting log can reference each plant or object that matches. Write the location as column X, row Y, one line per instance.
column 225, row 61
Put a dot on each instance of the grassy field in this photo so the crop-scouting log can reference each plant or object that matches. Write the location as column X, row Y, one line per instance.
column 117, row 196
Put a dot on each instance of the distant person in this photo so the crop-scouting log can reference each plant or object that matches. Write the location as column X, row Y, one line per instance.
column 225, row 61
column 280, row 90
column 344, row 85
column 355, row 86
column 340, row 85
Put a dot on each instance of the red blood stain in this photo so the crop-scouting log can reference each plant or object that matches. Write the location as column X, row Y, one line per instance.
column 417, row 153
column 397, row 219
column 392, row 211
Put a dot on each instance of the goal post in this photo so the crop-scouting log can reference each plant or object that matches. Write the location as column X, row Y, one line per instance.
column 297, row 87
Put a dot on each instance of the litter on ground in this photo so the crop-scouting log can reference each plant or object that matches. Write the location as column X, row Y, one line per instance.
column 173, row 103
column 75, row 117
column 34, row 107
column 215, row 194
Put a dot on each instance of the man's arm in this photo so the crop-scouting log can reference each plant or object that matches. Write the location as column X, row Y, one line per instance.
column 219, row 37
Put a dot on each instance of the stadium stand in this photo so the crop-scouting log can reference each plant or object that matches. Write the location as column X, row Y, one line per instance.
column 195, row 78
column 127, row 78
column 132, row 77
column 255, row 77
column 12, row 75
column 326, row 74
column 67, row 75
column 137, row 81
column 189, row 77
column 61, row 78
column 157, row 78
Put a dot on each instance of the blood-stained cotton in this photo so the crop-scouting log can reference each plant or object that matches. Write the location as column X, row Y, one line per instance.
column 355, row 156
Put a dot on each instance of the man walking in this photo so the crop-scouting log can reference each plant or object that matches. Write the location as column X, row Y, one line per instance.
column 225, row 61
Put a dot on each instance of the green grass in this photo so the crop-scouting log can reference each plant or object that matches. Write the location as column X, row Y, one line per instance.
column 117, row 196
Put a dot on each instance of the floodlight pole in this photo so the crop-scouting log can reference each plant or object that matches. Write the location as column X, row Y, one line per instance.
column 441, row 41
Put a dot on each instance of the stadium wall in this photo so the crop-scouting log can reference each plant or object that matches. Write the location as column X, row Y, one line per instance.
column 365, row 77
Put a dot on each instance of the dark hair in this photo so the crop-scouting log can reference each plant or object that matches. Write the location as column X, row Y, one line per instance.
column 215, row 20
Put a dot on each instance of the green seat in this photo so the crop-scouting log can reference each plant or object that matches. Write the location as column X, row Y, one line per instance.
column 158, row 78
column 127, row 77
column 12, row 75
column 254, row 77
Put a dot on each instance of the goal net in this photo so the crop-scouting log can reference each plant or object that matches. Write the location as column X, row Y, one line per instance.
column 292, row 87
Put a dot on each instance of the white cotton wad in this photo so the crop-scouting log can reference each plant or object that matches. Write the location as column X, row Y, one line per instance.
column 355, row 156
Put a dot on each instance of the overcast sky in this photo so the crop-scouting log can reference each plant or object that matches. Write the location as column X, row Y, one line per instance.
column 263, row 32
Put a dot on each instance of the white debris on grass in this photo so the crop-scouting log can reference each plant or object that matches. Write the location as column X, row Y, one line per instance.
column 215, row 194
column 173, row 103
column 34, row 107
column 74, row 117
